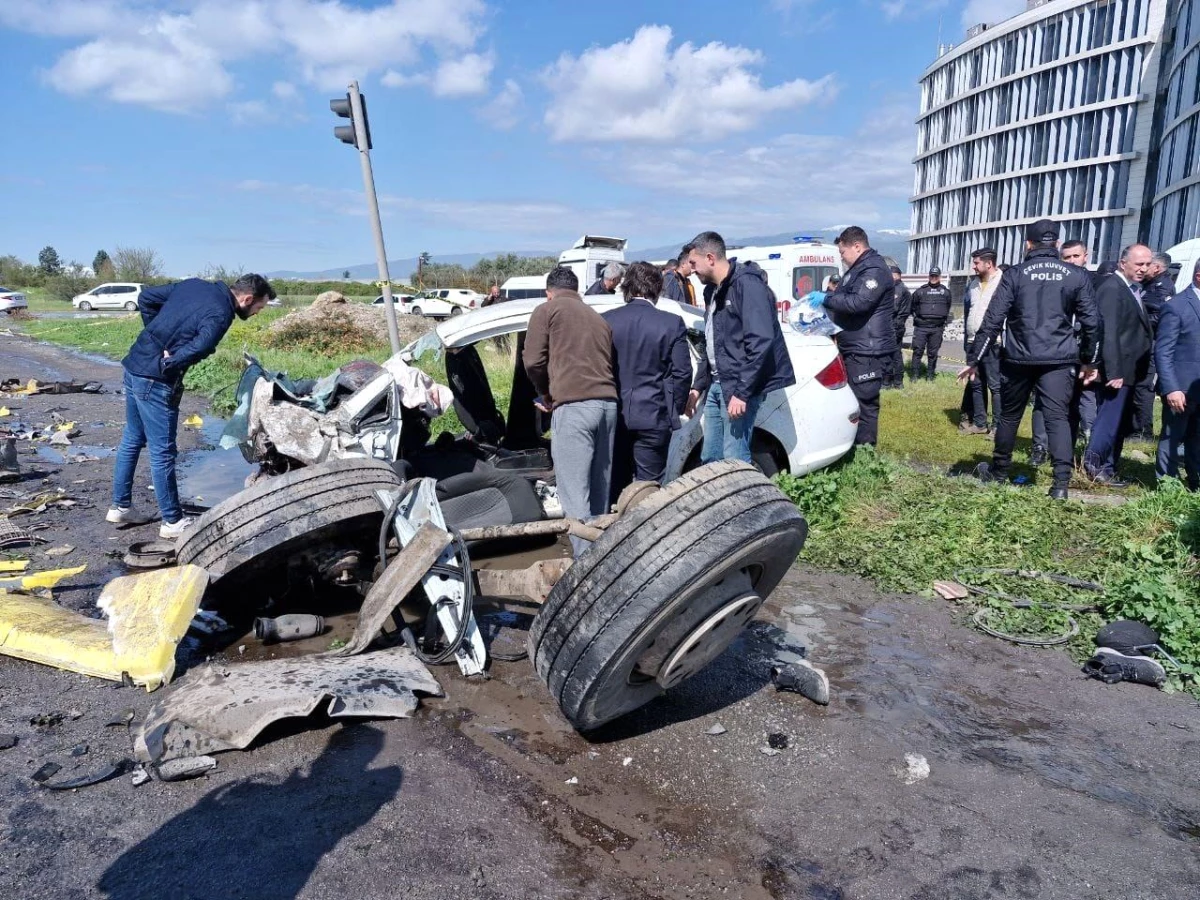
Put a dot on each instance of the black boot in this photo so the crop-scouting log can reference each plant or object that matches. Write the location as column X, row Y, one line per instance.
column 1038, row 456
column 1058, row 491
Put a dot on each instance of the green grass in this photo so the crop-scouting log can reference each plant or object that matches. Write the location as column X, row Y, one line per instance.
column 904, row 529
column 919, row 424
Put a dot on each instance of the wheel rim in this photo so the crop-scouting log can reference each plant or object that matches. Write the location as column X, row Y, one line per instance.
column 131, row 306
column 709, row 640
column 416, row 311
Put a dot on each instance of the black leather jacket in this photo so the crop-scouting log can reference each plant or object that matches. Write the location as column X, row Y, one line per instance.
column 862, row 307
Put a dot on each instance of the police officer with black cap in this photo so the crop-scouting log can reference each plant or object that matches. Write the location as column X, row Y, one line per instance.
column 861, row 305
column 1037, row 304
column 901, row 310
column 930, row 312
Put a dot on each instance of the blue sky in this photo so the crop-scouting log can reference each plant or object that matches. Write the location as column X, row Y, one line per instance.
column 202, row 128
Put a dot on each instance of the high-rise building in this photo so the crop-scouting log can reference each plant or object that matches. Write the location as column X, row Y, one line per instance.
column 1175, row 205
column 1048, row 114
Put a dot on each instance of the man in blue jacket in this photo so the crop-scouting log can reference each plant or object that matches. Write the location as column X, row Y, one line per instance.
column 653, row 370
column 183, row 322
column 1177, row 358
column 745, row 357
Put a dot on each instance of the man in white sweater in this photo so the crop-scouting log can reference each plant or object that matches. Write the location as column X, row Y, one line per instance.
column 980, row 290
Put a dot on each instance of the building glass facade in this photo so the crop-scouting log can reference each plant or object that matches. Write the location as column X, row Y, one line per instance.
column 1048, row 114
column 1175, row 208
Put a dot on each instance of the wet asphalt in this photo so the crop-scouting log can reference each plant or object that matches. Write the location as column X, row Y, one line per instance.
column 1041, row 783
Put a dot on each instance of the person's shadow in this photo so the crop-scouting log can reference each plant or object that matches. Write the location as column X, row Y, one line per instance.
column 259, row 839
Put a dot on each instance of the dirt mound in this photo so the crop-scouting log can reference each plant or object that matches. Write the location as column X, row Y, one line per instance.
column 332, row 314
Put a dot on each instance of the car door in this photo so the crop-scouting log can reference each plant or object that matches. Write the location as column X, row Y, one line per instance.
column 119, row 296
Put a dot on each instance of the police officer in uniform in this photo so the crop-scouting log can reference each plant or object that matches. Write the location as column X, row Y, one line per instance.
column 1037, row 303
column 901, row 310
column 861, row 305
column 1157, row 289
column 930, row 312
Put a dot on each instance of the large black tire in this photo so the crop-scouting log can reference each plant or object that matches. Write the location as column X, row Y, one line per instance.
column 261, row 527
column 609, row 637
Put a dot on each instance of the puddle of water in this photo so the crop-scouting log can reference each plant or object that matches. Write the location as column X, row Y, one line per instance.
column 210, row 472
column 58, row 457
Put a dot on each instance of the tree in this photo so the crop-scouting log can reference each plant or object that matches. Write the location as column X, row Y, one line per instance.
column 49, row 262
column 102, row 266
column 346, row 275
column 137, row 263
column 70, row 281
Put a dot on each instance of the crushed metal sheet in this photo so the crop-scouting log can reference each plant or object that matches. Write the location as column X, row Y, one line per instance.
column 222, row 707
column 184, row 768
column 12, row 536
column 401, row 576
column 8, row 566
column 147, row 615
column 533, row 583
column 104, row 773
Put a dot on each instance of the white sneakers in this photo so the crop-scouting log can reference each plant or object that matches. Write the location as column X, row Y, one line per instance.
column 119, row 515
column 175, row 530
column 127, row 515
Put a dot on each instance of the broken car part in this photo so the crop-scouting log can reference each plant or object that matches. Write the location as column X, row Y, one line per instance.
column 221, row 707
column 104, row 773
column 184, row 768
column 146, row 616
column 448, row 584
column 292, row 627
column 664, row 591
column 150, row 555
column 260, row 528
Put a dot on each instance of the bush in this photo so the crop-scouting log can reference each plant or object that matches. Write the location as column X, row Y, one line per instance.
column 68, row 283
column 333, row 335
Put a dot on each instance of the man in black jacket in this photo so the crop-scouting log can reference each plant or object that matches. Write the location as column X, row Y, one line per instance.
column 608, row 280
column 1157, row 289
column 183, row 322
column 745, row 356
column 862, row 307
column 1124, row 359
column 653, row 369
column 930, row 312
column 1037, row 304
column 901, row 310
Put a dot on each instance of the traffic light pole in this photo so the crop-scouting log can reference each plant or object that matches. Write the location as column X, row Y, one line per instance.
column 364, row 155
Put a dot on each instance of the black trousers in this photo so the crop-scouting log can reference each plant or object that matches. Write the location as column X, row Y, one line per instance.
column 894, row 375
column 638, row 456
column 865, row 374
column 926, row 341
column 1113, row 420
column 986, row 384
column 1083, row 415
column 1055, row 386
column 1143, row 402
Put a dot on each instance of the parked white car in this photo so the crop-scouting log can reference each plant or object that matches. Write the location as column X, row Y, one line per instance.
column 443, row 303
column 10, row 300
column 114, row 295
column 401, row 300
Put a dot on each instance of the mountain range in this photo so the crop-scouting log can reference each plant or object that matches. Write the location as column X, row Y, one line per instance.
column 888, row 241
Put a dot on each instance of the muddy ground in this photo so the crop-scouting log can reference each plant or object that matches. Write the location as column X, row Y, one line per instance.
column 1042, row 784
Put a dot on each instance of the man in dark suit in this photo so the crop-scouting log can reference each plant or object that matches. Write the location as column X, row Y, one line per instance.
column 653, row 370
column 1124, row 359
column 1177, row 357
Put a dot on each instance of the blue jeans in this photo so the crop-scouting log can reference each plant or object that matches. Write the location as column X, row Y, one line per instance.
column 726, row 438
column 151, row 417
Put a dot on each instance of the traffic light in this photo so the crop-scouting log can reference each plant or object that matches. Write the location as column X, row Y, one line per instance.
column 348, row 134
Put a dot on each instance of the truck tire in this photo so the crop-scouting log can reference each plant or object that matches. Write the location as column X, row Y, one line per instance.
column 664, row 591
column 260, row 527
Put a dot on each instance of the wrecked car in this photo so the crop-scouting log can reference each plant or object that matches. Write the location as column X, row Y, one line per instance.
column 352, row 496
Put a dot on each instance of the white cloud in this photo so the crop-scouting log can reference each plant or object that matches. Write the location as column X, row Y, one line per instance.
column 990, row 11
column 642, row 90
column 892, row 9
column 466, row 76
column 285, row 90
column 504, row 110
column 177, row 56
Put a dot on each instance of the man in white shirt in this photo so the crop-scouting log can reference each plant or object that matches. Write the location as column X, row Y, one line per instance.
column 979, row 293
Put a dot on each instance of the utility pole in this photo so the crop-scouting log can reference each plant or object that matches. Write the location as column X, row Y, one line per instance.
column 358, row 135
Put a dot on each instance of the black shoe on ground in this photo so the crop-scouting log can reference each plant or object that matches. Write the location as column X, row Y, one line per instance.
column 1038, row 456
column 1111, row 666
column 988, row 475
column 1058, row 492
column 1111, row 481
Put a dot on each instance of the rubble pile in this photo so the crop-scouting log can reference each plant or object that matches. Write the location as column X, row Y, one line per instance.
column 332, row 311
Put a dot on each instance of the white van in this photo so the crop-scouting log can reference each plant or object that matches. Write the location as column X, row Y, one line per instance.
column 524, row 287
column 793, row 270
column 589, row 255
column 1184, row 255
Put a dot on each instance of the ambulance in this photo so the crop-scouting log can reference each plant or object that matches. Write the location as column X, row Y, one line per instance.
column 589, row 255
column 793, row 270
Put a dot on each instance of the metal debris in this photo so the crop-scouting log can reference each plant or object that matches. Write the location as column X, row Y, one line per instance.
column 184, row 768
column 46, row 772
column 717, row 729
column 221, row 707
column 97, row 776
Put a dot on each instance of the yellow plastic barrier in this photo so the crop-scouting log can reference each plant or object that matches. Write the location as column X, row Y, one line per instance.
column 147, row 615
